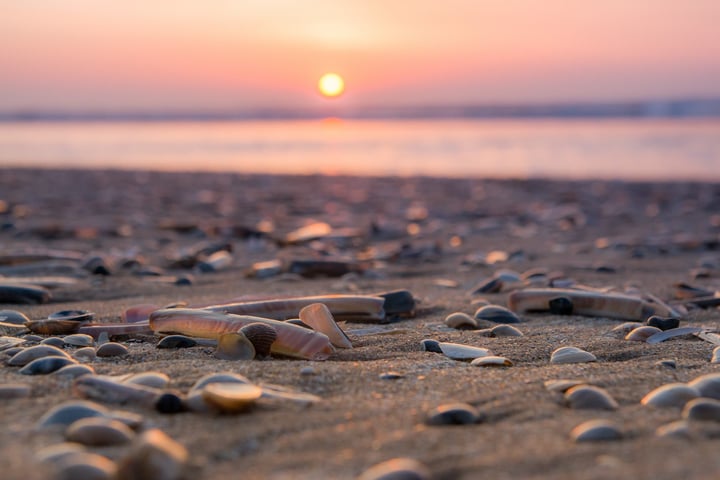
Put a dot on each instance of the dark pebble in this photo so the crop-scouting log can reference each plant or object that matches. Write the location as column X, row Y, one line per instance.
column 431, row 346
column 561, row 306
column 663, row 323
column 169, row 403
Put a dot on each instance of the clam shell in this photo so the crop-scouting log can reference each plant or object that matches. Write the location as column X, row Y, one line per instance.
column 319, row 318
column 45, row 365
column 562, row 385
column 678, row 428
column 461, row 321
column 85, row 465
column 452, row 414
column 33, row 353
column 54, row 341
column 55, row 453
column 708, row 385
column 153, row 455
column 68, row 412
column 261, row 336
column 79, row 340
column 663, row 323
column 54, row 326
column 397, row 469
column 703, row 409
column 590, row 397
column 492, row 361
column 234, row 346
column 571, row 355
column 176, row 341
column 641, row 334
column 99, row 432
column 626, row 327
column 505, row 331
column 231, row 397
column 671, row 395
column 13, row 317
column 715, row 355
column 497, row 314
column 222, row 377
column 596, row 431
column 149, row 379
column 112, row 349
column 457, row 351
column 85, row 354
column 73, row 371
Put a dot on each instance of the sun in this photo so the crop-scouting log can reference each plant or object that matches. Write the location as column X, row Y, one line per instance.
column 331, row 85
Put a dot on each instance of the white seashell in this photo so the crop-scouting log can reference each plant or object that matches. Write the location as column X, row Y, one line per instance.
column 670, row 395
column 590, row 397
column 492, row 361
column 571, row 355
column 457, row 351
column 461, row 321
column 595, row 431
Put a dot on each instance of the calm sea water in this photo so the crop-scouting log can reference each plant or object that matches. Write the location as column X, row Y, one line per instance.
column 619, row 149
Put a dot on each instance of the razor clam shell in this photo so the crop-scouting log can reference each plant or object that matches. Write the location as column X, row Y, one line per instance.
column 571, row 355
column 319, row 318
column 262, row 336
column 595, row 431
column 590, row 397
column 670, row 395
column 33, row 353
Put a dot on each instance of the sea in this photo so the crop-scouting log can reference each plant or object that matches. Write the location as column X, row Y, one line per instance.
column 646, row 149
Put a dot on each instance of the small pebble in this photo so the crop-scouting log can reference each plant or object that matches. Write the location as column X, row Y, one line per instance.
column 99, row 432
column 111, row 349
column 667, row 363
column 397, row 469
column 596, row 431
column 663, row 323
column 589, row 397
column 453, row 414
column 32, row 338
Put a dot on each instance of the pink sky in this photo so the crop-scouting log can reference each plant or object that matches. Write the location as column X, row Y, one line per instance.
column 230, row 54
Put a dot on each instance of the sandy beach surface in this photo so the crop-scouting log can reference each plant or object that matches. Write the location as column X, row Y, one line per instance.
column 441, row 239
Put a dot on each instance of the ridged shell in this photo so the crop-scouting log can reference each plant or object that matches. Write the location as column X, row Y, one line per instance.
column 33, row 353
column 492, row 361
column 590, row 397
column 703, row 409
column 261, row 336
column 231, row 397
column 234, row 346
column 497, row 314
column 670, row 395
column 571, row 355
column 596, row 431
column 461, row 321
column 641, row 334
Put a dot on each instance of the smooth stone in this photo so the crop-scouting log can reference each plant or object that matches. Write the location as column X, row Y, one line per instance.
column 492, row 361
column 14, row 390
column 452, row 414
column 497, row 314
column 397, row 469
column 111, row 349
column 73, row 371
column 176, row 341
column 79, row 340
column 461, row 321
column 69, row 412
column 55, row 453
column 562, row 386
column 708, row 385
column 678, row 428
column 153, row 456
column 99, row 432
column 641, row 334
column 45, row 365
column 54, row 341
column 29, row 354
column 222, row 377
column 85, row 354
column 13, row 316
column 234, row 346
column 149, row 379
column 663, row 323
column 505, row 331
column 589, row 397
column 231, row 397
column 596, row 431
column 670, row 395
column 703, row 409
column 571, row 355
column 85, row 466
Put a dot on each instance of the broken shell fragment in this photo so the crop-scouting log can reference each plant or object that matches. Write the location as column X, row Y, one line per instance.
column 319, row 318
column 590, row 397
column 231, row 397
column 670, row 395
column 492, row 361
column 461, row 321
column 571, row 355
column 262, row 336
column 596, row 431
column 234, row 346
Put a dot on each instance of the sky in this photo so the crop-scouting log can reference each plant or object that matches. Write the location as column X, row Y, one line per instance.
column 138, row 55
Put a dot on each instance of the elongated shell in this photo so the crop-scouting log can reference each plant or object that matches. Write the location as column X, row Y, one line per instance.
column 292, row 340
column 318, row 316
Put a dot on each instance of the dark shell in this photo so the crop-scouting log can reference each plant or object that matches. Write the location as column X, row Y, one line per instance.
column 663, row 323
column 13, row 316
column 69, row 412
column 497, row 314
column 261, row 336
column 45, row 365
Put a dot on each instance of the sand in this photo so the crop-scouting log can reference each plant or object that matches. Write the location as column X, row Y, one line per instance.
column 600, row 234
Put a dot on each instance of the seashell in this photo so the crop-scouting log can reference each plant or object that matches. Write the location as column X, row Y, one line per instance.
column 12, row 351
column 626, row 327
column 68, row 412
column 670, row 395
column 55, row 453
column 261, row 336
column 33, row 353
column 715, row 355
column 73, row 371
column 678, row 428
column 153, row 456
column 222, row 377
column 111, row 349
column 14, row 390
column 234, row 346
column 99, row 432
column 666, row 363
column 708, row 385
column 176, row 341
column 672, row 333
column 505, row 331
column 663, row 323
column 279, row 392
column 107, row 390
column 641, row 334
column 74, row 315
column 85, row 465
column 231, row 397
column 45, row 365
column 490, row 285
column 589, row 397
column 492, row 361
column 562, row 385
column 319, row 318
column 20, row 293
column 457, row 351
column 13, row 317
column 397, row 469
column 79, row 340
column 194, row 402
column 12, row 329
column 571, row 355
column 149, row 379
column 703, row 409
column 453, row 414
column 461, row 321
column 85, row 354
column 596, row 431
column 133, row 420
column 54, row 341
column 54, row 327
column 32, row 338
column 497, row 314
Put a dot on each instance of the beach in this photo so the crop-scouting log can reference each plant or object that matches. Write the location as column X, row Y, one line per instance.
column 441, row 240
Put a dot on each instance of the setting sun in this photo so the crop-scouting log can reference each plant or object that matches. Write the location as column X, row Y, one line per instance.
column 331, row 85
